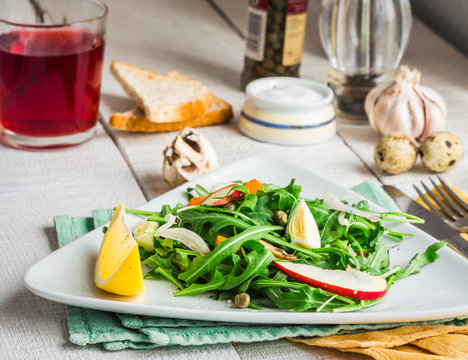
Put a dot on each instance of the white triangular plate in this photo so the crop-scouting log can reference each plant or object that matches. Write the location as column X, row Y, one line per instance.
column 439, row 291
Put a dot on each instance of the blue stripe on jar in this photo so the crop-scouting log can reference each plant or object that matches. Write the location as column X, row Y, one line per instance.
column 289, row 127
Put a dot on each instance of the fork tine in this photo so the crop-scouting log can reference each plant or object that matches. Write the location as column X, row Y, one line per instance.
column 452, row 193
column 449, row 201
column 444, row 208
column 428, row 203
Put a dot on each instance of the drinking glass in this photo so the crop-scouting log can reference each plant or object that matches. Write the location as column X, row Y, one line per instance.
column 364, row 41
column 51, row 56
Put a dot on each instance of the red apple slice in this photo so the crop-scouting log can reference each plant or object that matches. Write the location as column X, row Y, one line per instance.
column 222, row 196
column 350, row 283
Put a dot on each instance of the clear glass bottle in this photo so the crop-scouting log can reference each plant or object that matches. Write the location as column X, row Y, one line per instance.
column 364, row 41
column 275, row 39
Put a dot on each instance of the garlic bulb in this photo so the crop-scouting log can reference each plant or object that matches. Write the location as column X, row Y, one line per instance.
column 189, row 156
column 403, row 105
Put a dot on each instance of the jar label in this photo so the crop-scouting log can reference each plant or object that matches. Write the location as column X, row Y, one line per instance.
column 296, row 7
column 294, row 32
column 256, row 29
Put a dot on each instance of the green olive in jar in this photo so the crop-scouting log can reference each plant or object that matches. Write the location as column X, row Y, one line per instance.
column 274, row 54
column 279, row 4
column 268, row 64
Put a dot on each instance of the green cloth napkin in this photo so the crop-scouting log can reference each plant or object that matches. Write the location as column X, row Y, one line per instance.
column 120, row 331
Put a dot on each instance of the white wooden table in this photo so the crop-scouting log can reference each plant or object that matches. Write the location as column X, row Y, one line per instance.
column 202, row 39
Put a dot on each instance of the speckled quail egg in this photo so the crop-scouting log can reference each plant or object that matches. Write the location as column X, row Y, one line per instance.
column 440, row 151
column 395, row 153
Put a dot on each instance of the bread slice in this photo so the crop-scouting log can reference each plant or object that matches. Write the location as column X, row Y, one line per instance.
column 162, row 98
column 134, row 120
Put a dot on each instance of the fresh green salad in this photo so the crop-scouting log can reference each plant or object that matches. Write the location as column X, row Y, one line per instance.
column 261, row 245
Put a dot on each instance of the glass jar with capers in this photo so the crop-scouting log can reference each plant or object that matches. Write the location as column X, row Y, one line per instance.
column 275, row 39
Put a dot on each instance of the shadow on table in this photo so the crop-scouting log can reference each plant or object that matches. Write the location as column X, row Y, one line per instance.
column 204, row 68
column 118, row 103
column 52, row 237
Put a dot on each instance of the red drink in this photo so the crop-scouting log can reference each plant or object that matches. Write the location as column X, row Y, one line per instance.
column 49, row 81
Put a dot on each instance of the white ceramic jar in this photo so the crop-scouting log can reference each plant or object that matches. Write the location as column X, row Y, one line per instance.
column 288, row 111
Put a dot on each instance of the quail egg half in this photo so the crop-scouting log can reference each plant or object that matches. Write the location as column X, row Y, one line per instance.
column 302, row 227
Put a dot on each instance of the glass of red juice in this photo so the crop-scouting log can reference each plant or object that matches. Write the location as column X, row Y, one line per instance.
column 51, row 57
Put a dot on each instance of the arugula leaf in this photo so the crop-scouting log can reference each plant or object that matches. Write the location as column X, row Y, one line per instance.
column 419, row 260
column 262, row 213
column 248, row 204
column 210, row 224
column 306, row 298
column 223, row 250
column 378, row 260
column 181, row 259
column 216, row 281
column 166, row 274
column 257, row 264
column 199, row 191
column 156, row 261
column 359, row 244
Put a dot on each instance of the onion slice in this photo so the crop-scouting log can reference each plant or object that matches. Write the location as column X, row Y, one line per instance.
column 187, row 237
column 342, row 220
column 333, row 203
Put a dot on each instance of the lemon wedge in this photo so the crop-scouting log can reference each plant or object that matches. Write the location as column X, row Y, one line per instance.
column 302, row 227
column 118, row 268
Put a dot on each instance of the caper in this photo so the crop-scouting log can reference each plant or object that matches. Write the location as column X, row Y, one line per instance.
column 280, row 69
column 229, row 206
column 275, row 27
column 269, row 52
column 279, row 4
column 278, row 58
column 277, row 16
column 272, row 38
column 242, row 300
column 295, row 68
column 280, row 218
column 268, row 64
column 260, row 70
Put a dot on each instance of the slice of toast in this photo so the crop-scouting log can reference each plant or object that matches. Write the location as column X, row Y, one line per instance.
column 134, row 120
column 162, row 98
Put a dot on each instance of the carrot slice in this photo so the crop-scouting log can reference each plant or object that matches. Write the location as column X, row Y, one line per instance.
column 253, row 186
column 221, row 238
column 196, row 201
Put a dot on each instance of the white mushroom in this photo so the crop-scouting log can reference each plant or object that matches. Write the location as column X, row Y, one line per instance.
column 189, row 156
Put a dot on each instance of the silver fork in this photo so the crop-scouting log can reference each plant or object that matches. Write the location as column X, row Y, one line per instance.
column 456, row 214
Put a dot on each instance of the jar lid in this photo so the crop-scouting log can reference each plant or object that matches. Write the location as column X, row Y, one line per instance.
column 283, row 93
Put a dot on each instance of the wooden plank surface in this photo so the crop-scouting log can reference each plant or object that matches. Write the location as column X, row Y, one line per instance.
column 192, row 37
